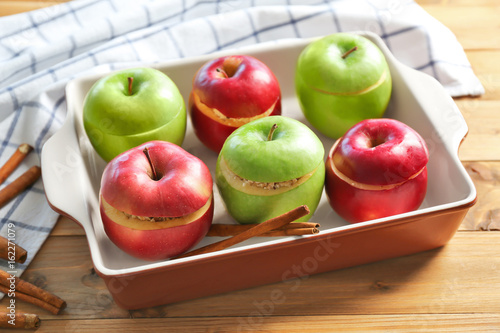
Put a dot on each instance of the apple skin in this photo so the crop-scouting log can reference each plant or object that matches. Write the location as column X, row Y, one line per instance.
column 336, row 93
column 221, row 101
column 377, row 169
column 293, row 152
column 183, row 192
column 116, row 121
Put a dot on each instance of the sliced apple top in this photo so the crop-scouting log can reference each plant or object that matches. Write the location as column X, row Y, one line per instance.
column 147, row 102
column 292, row 151
column 380, row 152
column 152, row 223
column 237, row 86
column 342, row 63
column 180, row 185
column 216, row 115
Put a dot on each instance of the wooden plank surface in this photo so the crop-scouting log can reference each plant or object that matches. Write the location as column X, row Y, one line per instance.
column 413, row 290
column 485, row 215
column 481, row 17
column 455, row 288
column 290, row 324
column 481, row 114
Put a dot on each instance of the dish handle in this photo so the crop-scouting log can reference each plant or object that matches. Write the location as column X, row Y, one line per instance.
column 450, row 127
column 63, row 176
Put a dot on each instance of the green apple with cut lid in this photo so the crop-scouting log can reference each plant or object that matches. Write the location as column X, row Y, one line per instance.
column 268, row 167
column 129, row 107
column 340, row 80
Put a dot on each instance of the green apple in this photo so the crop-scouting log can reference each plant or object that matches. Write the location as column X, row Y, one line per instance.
column 340, row 80
column 268, row 167
column 129, row 107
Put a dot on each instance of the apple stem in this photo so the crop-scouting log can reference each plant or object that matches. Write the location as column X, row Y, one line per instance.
column 220, row 70
column 130, row 81
column 146, row 152
column 271, row 132
column 349, row 52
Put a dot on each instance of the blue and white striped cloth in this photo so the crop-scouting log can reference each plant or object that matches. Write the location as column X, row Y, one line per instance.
column 40, row 51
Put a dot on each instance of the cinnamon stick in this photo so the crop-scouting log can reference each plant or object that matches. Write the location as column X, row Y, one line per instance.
column 13, row 162
column 303, row 228
column 290, row 232
column 28, row 178
column 30, row 293
column 19, row 320
column 11, row 251
column 259, row 229
column 31, row 299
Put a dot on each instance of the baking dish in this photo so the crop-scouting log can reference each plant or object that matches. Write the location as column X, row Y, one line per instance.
column 71, row 172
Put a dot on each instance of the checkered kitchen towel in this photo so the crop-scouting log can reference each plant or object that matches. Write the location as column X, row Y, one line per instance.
column 41, row 50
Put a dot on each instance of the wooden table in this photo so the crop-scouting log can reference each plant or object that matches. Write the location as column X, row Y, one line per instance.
column 455, row 288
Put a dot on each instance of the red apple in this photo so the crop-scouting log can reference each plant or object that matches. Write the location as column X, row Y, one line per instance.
column 377, row 169
column 156, row 200
column 229, row 92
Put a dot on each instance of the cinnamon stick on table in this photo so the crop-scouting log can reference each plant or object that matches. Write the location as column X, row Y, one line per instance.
column 11, row 251
column 291, row 229
column 259, row 229
column 27, row 179
column 19, row 320
column 13, row 162
column 30, row 293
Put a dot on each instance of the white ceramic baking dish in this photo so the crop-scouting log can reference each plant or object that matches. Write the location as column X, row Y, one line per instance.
column 72, row 170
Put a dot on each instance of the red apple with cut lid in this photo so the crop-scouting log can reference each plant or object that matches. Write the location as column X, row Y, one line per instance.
column 377, row 169
column 156, row 200
column 229, row 92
